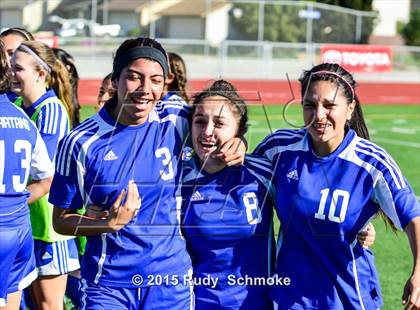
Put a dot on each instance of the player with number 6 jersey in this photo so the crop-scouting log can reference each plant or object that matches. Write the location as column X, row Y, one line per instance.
column 331, row 181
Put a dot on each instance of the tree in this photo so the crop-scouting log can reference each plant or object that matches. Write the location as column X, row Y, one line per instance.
column 361, row 5
column 410, row 31
column 283, row 24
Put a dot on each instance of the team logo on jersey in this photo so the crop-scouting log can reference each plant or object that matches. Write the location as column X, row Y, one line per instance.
column 196, row 196
column 187, row 153
column 293, row 175
column 110, row 156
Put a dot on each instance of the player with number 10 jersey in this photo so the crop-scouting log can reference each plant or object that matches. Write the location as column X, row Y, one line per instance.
column 330, row 182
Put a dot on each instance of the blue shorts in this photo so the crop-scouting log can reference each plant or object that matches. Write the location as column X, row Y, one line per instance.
column 162, row 297
column 56, row 258
column 17, row 261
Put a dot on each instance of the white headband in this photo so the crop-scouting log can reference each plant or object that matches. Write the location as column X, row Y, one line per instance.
column 36, row 57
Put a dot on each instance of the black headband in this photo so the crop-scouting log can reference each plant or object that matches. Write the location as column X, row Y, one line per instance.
column 136, row 53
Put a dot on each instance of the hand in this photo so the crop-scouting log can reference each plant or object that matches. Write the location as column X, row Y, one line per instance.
column 232, row 152
column 367, row 237
column 121, row 215
column 411, row 293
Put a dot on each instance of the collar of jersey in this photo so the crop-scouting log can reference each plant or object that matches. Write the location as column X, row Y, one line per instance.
column 346, row 141
column 31, row 110
column 204, row 173
column 11, row 96
column 103, row 113
column 168, row 95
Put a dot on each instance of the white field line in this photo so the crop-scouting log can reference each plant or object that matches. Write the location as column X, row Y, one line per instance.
column 399, row 121
column 396, row 142
column 408, row 131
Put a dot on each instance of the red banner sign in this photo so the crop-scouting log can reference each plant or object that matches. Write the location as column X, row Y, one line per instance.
column 50, row 40
column 359, row 58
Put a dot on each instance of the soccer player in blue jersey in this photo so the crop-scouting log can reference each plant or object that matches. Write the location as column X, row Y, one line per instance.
column 176, row 82
column 42, row 83
column 331, row 181
column 23, row 154
column 227, row 211
column 131, row 261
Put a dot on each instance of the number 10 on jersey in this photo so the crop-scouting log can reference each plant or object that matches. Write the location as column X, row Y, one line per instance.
column 338, row 196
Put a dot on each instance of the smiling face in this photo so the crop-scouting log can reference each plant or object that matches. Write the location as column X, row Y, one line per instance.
column 25, row 74
column 140, row 86
column 325, row 112
column 214, row 122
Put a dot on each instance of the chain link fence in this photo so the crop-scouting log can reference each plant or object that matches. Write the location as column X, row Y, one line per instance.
column 264, row 40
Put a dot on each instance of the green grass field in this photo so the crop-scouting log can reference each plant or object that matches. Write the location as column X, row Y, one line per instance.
column 395, row 128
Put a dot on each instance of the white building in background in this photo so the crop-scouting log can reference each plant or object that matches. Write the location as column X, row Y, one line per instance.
column 390, row 13
column 29, row 14
column 189, row 19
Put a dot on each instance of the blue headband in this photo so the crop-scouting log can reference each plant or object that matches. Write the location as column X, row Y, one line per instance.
column 136, row 53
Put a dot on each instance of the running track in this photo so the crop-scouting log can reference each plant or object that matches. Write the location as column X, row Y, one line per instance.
column 275, row 92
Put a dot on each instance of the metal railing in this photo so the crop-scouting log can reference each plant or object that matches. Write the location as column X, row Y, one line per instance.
column 236, row 59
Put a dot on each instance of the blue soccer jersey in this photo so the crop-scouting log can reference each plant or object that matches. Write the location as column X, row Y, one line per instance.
column 96, row 161
column 22, row 155
column 172, row 97
column 322, row 203
column 51, row 120
column 227, row 222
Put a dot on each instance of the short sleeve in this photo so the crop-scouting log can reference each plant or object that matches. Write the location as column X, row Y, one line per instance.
column 65, row 189
column 41, row 166
column 399, row 204
column 52, row 123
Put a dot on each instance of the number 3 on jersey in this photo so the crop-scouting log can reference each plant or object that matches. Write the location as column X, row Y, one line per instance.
column 20, row 146
column 338, row 196
column 168, row 172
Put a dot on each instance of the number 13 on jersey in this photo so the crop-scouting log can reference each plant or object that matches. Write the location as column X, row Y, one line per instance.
column 22, row 147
